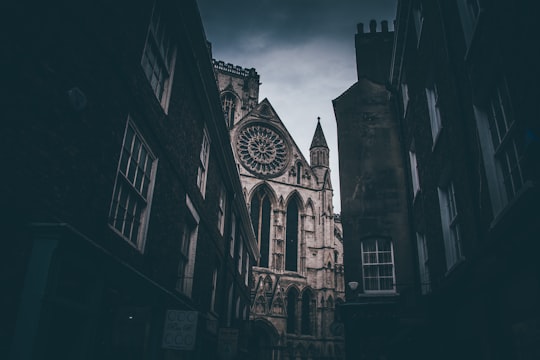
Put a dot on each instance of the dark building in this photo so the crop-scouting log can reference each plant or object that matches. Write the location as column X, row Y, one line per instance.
column 123, row 199
column 464, row 74
column 373, row 51
column 379, row 313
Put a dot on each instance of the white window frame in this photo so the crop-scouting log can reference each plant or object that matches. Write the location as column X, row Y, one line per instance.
column 221, row 209
column 190, row 233
column 418, row 15
column 423, row 263
column 505, row 142
column 240, row 254
column 450, row 226
column 469, row 11
column 414, row 172
column 299, row 169
column 133, row 188
column 500, row 148
column 229, row 101
column 233, row 235
column 405, row 97
column 432, row 97
column 377, row 264
column 214, row 291
column 159, row 57
column 204, row 155
column 246, row 275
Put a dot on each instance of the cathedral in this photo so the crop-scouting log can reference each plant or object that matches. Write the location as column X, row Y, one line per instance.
column 298, row 280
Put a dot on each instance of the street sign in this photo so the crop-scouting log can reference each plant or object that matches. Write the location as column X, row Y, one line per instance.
column 180, row 331
column 227, row 343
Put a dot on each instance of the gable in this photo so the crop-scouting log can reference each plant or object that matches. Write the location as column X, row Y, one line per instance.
column 266, row 116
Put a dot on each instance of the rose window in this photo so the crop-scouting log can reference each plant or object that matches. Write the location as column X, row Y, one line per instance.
column 261, row 150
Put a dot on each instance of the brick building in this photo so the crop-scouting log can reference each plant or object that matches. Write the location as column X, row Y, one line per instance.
column 124, row 198
column 463, row 75
column 460, row 84
column 380, row 311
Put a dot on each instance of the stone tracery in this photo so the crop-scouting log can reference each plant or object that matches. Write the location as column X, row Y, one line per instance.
column 262, row 150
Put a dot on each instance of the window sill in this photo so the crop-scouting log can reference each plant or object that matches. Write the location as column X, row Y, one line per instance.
column 135, row 246
column 436, row 139
column 406, row 109
column 212, row 315
column 183, row 293
column 202, row 192
column 455, row 266
column 416, row 196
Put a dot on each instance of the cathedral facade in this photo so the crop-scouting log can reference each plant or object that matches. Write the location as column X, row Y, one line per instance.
column 298, row 280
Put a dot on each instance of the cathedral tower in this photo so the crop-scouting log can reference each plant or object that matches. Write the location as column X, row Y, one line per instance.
column 239, row 90
column 298, row 280
column 319, row 153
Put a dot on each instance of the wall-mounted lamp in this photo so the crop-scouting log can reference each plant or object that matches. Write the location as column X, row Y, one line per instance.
column 353, row 285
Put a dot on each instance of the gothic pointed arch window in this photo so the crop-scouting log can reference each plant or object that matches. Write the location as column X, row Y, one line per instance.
column 292, row 299
column 278, row 306
column 291, row 246
column 260, row 218
column 309, row 223
column 306, row 312
column 298, row 173
column 229, row 108
column 268, row 286
column 260, row 305
column 330, row 302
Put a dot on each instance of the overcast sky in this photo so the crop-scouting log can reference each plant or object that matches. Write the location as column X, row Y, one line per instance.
column 303, row 51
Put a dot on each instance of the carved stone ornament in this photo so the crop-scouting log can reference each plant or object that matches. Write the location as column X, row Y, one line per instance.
column 262, row 150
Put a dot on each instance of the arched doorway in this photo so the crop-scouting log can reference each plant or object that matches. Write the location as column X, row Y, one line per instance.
column 263, row 341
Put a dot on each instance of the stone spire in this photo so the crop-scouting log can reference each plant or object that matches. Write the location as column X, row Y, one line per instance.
column 318, row 138
column 319, row 151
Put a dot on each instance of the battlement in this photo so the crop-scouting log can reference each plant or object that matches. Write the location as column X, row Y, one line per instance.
column 373, row 51
column 234, row 70
column 372, row 27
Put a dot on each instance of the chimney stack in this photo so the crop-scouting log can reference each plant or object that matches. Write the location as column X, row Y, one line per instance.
column 373, row 51
column 384, row 26
column 372, row 26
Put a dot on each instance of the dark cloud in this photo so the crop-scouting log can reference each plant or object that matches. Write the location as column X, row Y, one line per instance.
column 303, row 51
column 289, row 22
